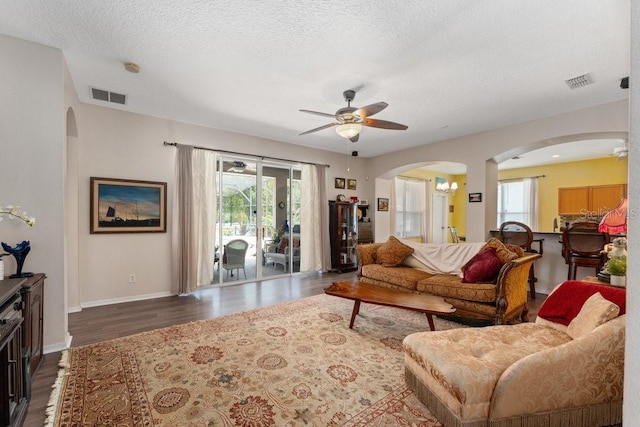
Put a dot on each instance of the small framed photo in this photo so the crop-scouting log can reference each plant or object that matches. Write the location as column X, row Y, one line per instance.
column 128, row 206
column 339, row 183
column 351, row 184
column 363, row 202
column 475, row 197
column 383, row 204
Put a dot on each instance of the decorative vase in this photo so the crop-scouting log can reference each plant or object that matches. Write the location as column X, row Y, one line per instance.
column 619, row 281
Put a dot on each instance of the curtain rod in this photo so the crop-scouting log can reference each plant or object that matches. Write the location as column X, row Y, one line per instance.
column 522, row 177
column 175, row 144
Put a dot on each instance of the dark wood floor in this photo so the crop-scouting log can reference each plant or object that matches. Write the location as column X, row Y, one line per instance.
column 97, row 324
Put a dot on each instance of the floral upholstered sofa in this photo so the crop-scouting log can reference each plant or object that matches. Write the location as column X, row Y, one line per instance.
column 566, row 369
column 486, row 280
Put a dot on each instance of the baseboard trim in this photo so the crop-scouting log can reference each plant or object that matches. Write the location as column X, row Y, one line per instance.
column 132, row 298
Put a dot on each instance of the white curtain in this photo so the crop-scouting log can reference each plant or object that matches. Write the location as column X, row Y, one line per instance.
column 426, row 211
column 183, row 247
column 314, row 223
column 393, row 208
column 204, row 213
column 194, row 207
column 531, row 197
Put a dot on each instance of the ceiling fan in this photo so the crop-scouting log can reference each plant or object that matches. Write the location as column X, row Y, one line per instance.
column 621, row 152
column 351, row 119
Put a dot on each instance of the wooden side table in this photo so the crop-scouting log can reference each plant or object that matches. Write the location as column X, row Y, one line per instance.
column 595, row 280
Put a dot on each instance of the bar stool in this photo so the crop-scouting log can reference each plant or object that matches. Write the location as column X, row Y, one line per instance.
column 582, row 246
column 519, row 234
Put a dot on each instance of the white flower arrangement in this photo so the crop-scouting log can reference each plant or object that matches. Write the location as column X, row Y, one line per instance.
column 14, row 212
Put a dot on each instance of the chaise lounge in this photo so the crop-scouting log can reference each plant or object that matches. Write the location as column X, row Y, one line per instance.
column 567, row 368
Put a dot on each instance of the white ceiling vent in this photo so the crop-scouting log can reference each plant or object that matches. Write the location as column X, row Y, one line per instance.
column 580, row 81
column 103, row 95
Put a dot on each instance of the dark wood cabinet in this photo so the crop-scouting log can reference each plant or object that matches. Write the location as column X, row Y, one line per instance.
column 33, row 297
column 343, row 227
column 14, row 376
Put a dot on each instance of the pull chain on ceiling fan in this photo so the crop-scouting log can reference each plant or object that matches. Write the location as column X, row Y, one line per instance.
column 349, row 120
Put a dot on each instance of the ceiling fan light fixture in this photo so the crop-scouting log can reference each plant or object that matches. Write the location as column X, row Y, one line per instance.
column 349, row 130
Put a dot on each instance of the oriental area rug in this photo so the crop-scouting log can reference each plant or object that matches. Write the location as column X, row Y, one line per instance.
column 293, row 364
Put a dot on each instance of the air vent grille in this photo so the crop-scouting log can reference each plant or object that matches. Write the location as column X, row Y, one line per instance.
column 103, row 95
column 579, row 81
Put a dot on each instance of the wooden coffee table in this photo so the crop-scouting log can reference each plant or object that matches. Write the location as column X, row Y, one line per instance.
column 427, row 304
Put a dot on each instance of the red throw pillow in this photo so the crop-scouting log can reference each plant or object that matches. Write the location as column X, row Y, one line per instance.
column 483, row 267
column 564, row 304
column 283, row 245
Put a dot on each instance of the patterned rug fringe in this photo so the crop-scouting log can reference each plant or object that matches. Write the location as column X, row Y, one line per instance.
column 435, row 405
column 601, row 414
column 54, row 399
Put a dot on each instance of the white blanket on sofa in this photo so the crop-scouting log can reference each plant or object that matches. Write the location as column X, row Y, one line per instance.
column 436, row 258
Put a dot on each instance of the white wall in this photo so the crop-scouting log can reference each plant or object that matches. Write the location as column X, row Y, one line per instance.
column 32, row 118
column 631, row 409
column 117, row 144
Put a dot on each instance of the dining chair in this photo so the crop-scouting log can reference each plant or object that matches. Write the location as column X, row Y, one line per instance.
column 520, row 234
column 582, row 246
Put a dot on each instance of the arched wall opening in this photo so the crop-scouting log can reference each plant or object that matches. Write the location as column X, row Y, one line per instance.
column 443, row 209
column 71, row 244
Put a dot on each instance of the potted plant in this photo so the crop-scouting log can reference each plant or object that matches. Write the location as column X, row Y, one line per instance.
column 617, row 268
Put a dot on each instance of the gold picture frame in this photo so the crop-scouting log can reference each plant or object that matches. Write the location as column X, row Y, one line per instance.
column 351, row 184
column 128, row 206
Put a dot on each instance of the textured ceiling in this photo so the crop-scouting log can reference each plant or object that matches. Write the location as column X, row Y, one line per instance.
column 447, row 68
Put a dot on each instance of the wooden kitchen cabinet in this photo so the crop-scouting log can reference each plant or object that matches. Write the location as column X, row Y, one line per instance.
column 604, row 198
column 592, row 200
column 573, row 201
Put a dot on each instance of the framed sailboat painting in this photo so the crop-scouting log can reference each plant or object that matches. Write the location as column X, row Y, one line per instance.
column 128, row 206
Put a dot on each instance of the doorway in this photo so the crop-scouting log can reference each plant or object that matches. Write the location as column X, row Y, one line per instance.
column 439, row 219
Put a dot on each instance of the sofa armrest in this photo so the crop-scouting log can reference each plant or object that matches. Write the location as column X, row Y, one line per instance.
column 511, row 286
column 366, row 255
column 585, row 371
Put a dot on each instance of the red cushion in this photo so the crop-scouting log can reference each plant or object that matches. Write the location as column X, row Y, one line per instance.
column 284, row 242
column 483, row 267
column 564, row 304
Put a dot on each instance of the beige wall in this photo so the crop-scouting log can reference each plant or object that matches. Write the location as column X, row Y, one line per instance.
column 478, row 151
column 118, row 144
column 32, row 117
column 631, row 409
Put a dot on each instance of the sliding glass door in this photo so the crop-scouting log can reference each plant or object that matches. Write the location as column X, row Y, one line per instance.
column 280, row 219
column 257, row 220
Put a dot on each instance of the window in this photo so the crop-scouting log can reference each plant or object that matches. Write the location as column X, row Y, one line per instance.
column 409, row 207
column 517, row 202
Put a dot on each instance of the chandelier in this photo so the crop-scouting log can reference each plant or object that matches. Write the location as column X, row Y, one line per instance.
column 443, row 187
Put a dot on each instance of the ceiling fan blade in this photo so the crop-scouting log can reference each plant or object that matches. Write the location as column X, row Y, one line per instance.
column 383, row 124
column 320, row 128
column 355, row 138
column 370, row 110
column 318, row 113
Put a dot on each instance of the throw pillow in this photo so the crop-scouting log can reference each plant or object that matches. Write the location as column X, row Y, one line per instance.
column 502, row 251
column 483, row 267
column 594, row 312
column 392, row 252
column 564, row 303
column 284, row 242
